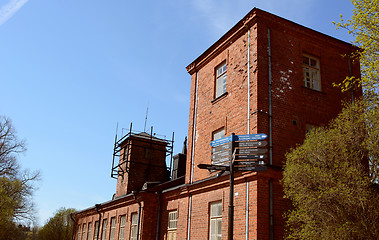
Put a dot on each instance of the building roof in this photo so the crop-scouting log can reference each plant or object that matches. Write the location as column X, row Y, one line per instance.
column 240, row 28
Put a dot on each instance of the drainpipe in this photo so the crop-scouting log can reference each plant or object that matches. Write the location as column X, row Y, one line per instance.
column 271, row 222
column 248, row 81
column 248, row 132
column 194, row 127
column 189, row 218
column 158, row 215
column 98, row 225
column 73, row 230
column 247, row 211
column 139, row 212
column 193, row 154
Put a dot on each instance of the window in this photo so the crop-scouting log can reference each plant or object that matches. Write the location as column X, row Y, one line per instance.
column 121, row 231
column 104, row 229
column 311, row 72
column 215, row 221
column 133, row 226
column 220, row 80
column 218, row 134
column 84, row 231
column 89, row 231
column 78, row 237
column 113, row 228
column 172, row 225
column 96, row 230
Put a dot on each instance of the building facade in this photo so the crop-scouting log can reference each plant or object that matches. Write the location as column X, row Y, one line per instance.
column 265, row 75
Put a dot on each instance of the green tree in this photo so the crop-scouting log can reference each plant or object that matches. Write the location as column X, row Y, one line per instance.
column 328, row 180
column 58, row 227
column 364, row 26
column 16, row 185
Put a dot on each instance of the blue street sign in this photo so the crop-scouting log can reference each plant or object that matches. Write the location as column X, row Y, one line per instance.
column 220, row 141
column 250, row 137
column 246, row 137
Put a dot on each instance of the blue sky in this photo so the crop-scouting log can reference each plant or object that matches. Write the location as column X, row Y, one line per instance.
column 70, row 70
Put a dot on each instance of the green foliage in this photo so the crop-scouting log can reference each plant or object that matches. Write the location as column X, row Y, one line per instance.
column 16, row 186
column 58, row 227
column 328, row 181
column 364, row 26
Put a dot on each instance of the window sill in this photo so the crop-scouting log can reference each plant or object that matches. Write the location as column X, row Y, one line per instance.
column 219, row 97
column 313, row 90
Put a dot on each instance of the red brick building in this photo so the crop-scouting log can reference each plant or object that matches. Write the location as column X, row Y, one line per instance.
column 265, row 75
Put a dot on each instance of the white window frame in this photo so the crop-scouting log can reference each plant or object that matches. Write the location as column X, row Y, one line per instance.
column 89, row 233
column 133, row 226
column 215, row 221
column 95, row 229
column 220, row 133
column 104, row 235
column 311, row 72
column 79, row 232
column 220, row 86
column 84, row 231
column 121, row 230
column 172, row 225
column 113, row 228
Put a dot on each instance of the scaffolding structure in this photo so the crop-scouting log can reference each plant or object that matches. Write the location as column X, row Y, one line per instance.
column 120, row 162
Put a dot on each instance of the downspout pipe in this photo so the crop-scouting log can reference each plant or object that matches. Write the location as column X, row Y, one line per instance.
column 248, row 81
column 193, row 154
column 194, row 128
column 158, row 215
column 139, row 212
column 248, row 132
column 189, row 218
column 97, row 206
column 271, row 215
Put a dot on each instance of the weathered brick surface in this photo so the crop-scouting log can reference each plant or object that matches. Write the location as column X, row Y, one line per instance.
column 293, row 107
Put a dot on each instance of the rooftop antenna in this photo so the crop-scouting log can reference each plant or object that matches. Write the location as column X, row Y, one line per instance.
column 147, row 111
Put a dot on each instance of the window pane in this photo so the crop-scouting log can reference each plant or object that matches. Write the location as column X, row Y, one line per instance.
column 220, row 87
column 133, row 227
column 311, row 73
column 305, row 60
column 104, row 229
column 219, row 134
column 122, row 228
column 215, row 221
column 84, row 231
column 78, row 237
column 313, row 63
column 89, row 235
column 113, row 227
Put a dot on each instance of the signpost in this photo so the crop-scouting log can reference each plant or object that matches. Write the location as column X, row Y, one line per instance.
column 213, row 167
column 247, row 147
column 251, row 144
column 250, row 151
column 251, row 168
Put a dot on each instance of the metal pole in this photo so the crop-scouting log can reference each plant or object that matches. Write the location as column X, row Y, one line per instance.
column 231, row 195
